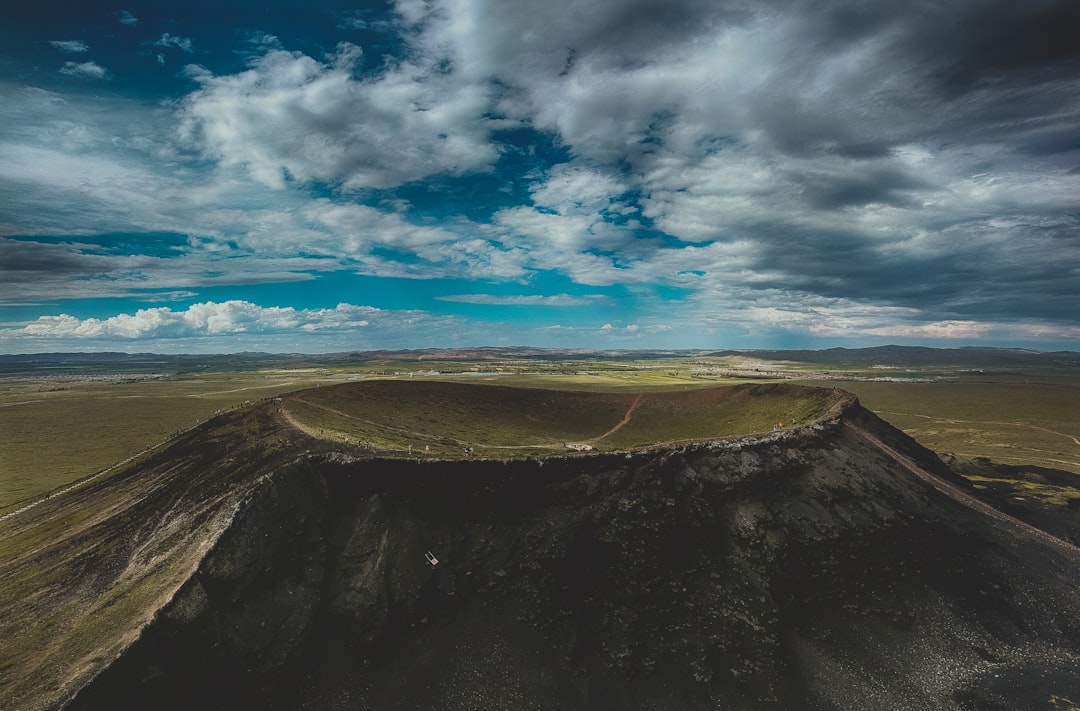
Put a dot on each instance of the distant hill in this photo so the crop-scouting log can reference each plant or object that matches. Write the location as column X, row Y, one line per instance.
column 83, row 363
column 899, row 356
column 896, row 356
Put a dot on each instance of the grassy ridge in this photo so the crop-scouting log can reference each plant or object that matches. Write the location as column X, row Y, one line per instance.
column 85, row 571
column 1008, row 422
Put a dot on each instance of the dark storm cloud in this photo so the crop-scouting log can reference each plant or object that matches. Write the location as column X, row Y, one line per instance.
column 38, row 271
column 997, row 43
column 31, row 261
column 1005, row 68
column 42, row 270
column 803, row 128
column 633, row 30
column 857, row 185
column 1011, row 273
column 953, row 71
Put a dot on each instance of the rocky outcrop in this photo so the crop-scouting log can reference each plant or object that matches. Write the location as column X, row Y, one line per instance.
column 836, row 565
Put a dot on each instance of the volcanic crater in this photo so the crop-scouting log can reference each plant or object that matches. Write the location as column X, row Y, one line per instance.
column 697, row 555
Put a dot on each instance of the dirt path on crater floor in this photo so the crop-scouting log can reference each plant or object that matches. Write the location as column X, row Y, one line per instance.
column 624, row 421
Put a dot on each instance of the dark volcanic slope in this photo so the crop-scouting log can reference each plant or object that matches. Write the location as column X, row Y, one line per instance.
column 82, row 573
column 831, row 566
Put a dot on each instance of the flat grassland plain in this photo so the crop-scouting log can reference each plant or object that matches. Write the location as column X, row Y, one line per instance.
column 54, row 432
column 59, row 429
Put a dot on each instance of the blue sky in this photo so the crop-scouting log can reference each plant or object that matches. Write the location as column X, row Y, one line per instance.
column 324, row 176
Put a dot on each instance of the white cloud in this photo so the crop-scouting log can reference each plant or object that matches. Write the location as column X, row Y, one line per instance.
column 568, row 221
column 354, row 229
column 262, row 42
column 610, row 330
column 610, row 77
column 70, row 46
column 168, row 40
column 240, row 325
column 413, row 11
column 202, row 319
column 84, row 70
column 570, row 189
column 472, row 257
column 521, row 300
column 110, row 169
column 293, row 118
column 567, row 234
column 957, row 330
column 126, row 18
column 935, row 330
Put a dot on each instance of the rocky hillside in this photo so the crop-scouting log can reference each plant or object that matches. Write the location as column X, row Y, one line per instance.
column 837, row 565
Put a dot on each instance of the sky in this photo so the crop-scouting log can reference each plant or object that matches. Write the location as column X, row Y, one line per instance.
column 320, row 176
